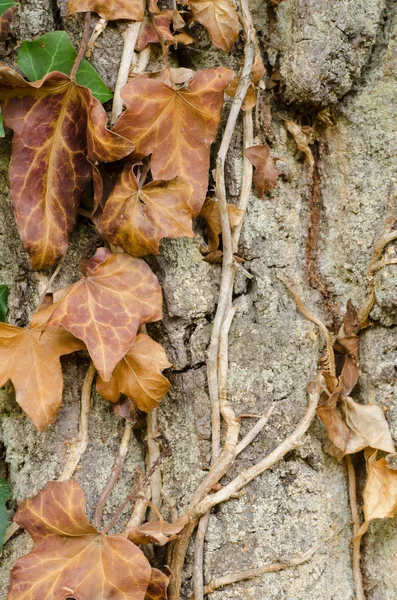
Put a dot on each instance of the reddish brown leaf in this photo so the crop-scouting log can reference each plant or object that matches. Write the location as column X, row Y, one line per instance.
column 250, row 97
column 380, row 492
column 136, row 219
column 70, row 558
column 210, row 212
column 158, row 585
column 338, row 431
column 214, row 258
column 220, row 19
column 5, row 22
column 106, row 308
column 138, row 375
column 30, row 358
column 111, row 10
column 157, row 532
column 266, row 173
column 177, row 126
column 58, row 129
column 156, row 29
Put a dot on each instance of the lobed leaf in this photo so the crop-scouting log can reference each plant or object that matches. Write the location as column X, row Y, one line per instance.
column 5, row 494
column 177, row 125
column 54, row 51
column 30, row 358
column 111, row 10
column 59, row 129
column 106, row 308
column 8, row 8
column 70, row 557
column 220, row 19
column 138, row 375
column 4, row 292
column 137, row 218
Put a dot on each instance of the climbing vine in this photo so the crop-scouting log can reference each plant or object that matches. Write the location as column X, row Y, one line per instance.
column 149, row 173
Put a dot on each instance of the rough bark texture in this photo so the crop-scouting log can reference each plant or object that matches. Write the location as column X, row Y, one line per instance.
column 335, row 55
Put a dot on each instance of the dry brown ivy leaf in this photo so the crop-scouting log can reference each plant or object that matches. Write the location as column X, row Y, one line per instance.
column 138, row 375
column 70, row 557
column 59, row 127
column 156, row 29
column 210, row 212
column 137, row 218
column 302, row 137
column 250, row 96
column 380, row 492
column 111, row 10
column 368, row 427
column 106, row 308
column 5, row 22
column 266, row 173
column 176, row 124
column 30, row 359
column 157, row 589
column 157, row 532
column 220, row 19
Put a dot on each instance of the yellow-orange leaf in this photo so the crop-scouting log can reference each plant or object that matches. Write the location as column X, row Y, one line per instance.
column 59, row 129
column 210, row 212
column 220, row 19
column 30, row 358
column 380, row 492
column 111, row 10
column 106, row 308
column 70, row 558
column 138, row 375
column 138, row 218
column 176, row 125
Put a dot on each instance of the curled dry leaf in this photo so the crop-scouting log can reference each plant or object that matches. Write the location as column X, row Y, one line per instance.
column 302, row 137
column 157, row 532
column 210, row 212
column 220, row 19
column 266, row 173
column 70, row 557
column 138, row 375
column 177, row 126
column 380, row 492
column 157, row 589
column 156, row 29
column 59, row 127
column 111, row 10
column 368, row 427
column 30, row 358
column 7, row 12
column 106, row 308
column 136, row 219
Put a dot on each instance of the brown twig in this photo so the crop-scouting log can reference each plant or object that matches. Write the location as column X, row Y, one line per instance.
column 98, row 29
column 114, row 475
column 251, row 435
column 78, row 448
column 358, row 580
column 51, row 281
column 246, row 183
column 127, row 59
column 291, row 285
column 84, row 41
column 153, row 454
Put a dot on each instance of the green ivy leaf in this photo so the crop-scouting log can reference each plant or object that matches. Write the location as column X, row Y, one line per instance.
column 55, row 52
column 4, row 291
column 5, row 5
column 2, row 132
column 5, row 494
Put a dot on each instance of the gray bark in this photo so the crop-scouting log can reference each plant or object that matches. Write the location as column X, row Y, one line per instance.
column 335, row 55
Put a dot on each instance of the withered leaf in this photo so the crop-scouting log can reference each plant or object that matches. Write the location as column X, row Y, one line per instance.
column 250, row 96
column 156, row 29
column 350, row 373
column 137, row 218
column 177, row 126
column 337, row 430
column 59, row 127
column 302, row 139
column 111, row 10
column 30, row 358
column 266, row 173
column 380, row 492
column 5, row 20
column 106, row 308
column 220, row 19
column 157, row 589
column 157, row 532
column 138, row 375
column 368, row 427
column 70, row 557
column 210, row 212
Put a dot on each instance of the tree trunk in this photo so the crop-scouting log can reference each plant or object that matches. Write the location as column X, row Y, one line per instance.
column 338, row 66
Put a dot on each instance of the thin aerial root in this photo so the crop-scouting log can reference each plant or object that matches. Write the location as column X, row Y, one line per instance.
column 357, row 574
